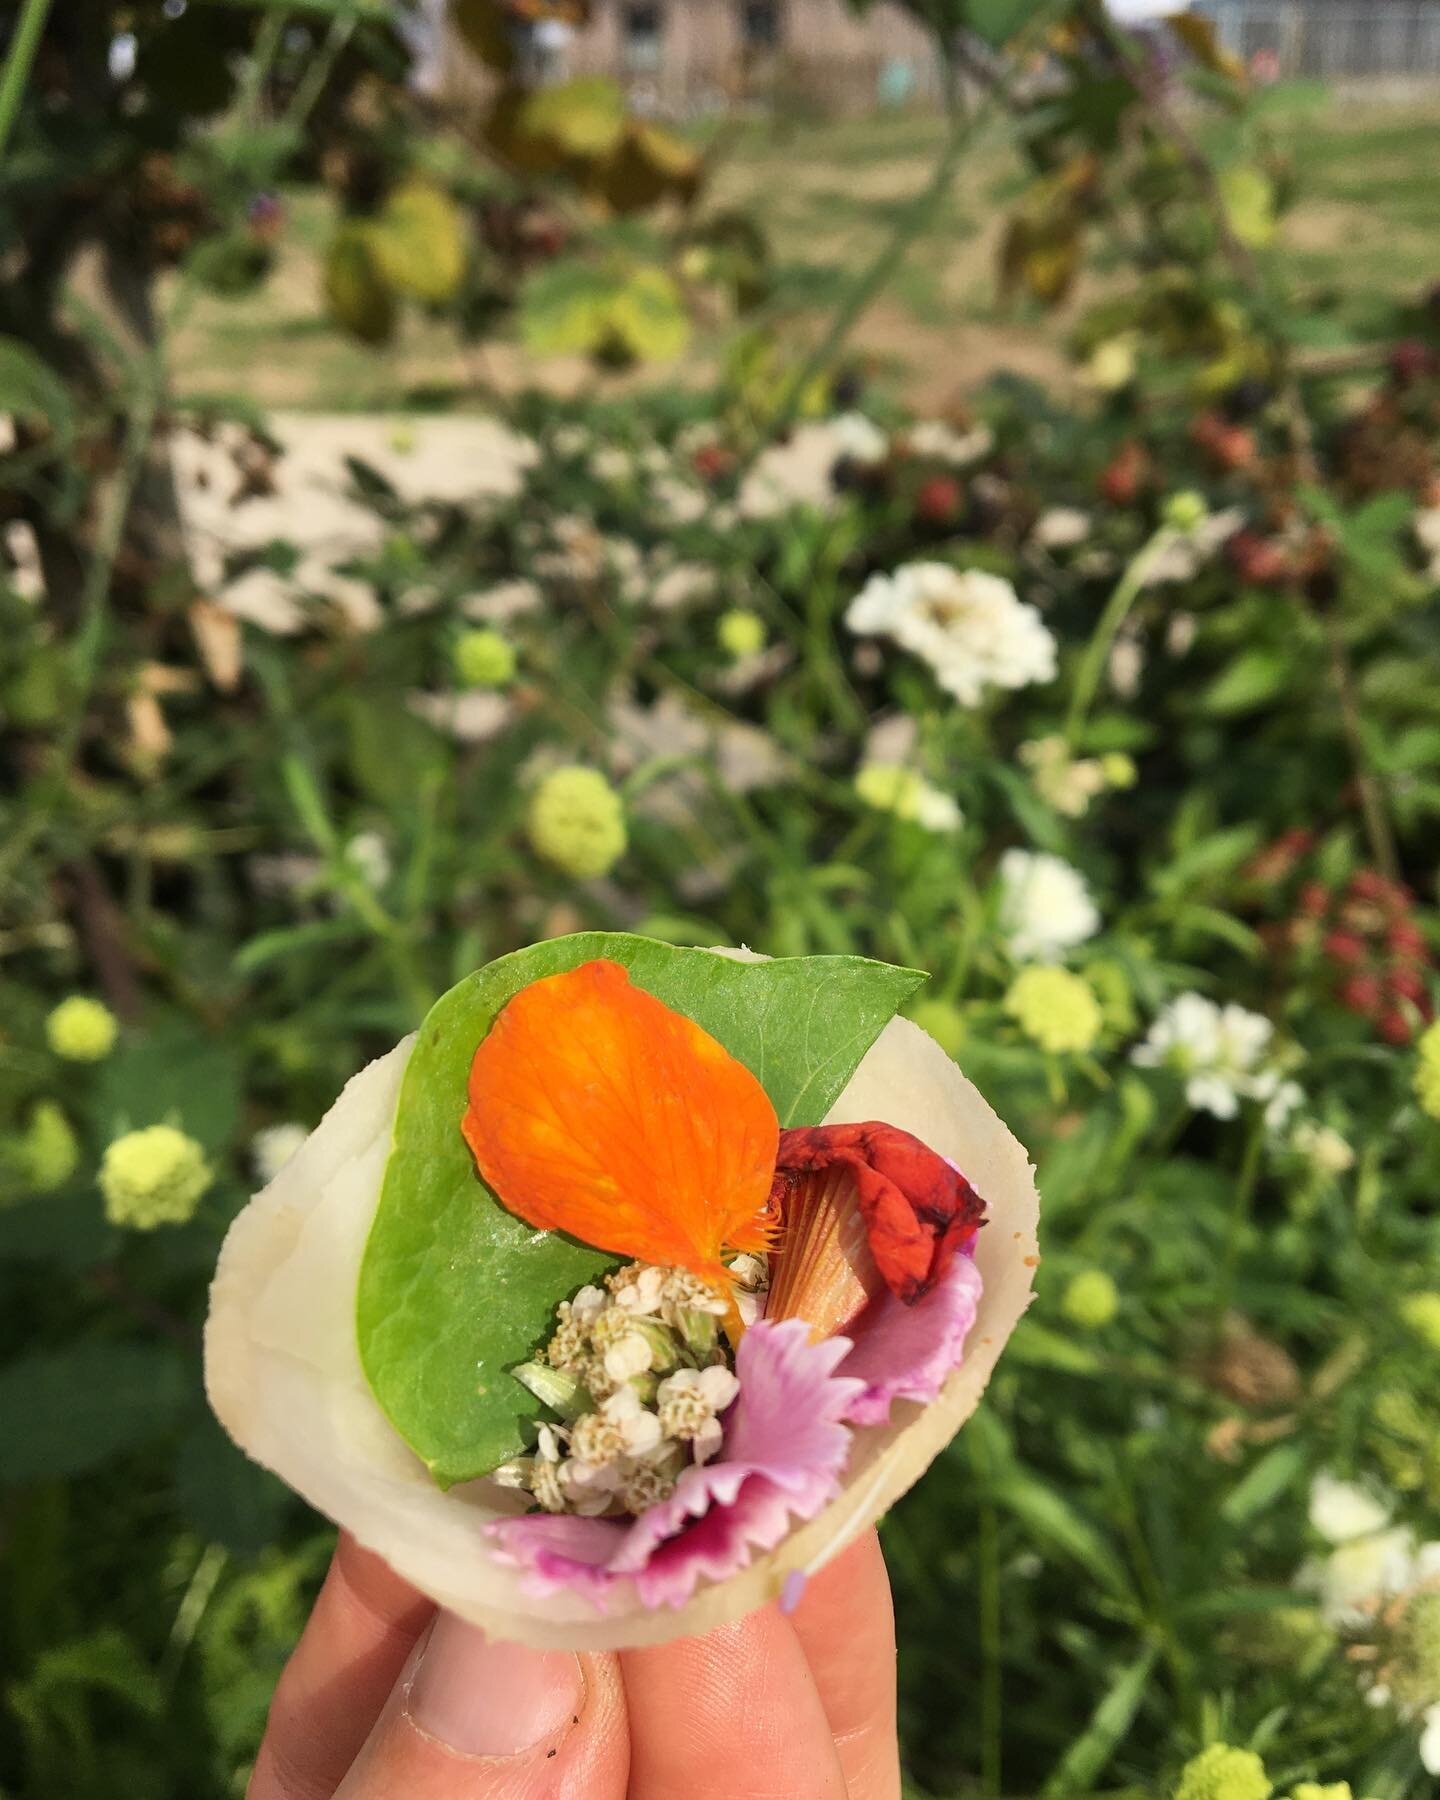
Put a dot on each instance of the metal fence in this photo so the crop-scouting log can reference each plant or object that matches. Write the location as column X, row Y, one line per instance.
column 1369, row 39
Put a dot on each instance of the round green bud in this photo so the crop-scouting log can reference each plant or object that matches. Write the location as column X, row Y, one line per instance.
column 944, row 1021
column 81, row 1029
column 1427, row 1071
column 1315, row 1790
column 1054, row 1008
column 1220, row 1773
column 577, row 822
column 740, row 633
column 49, row 1151
column 484, row 659
column 1091, row 1300
column 1118, row 768
column 153, row 1177
column 1421, row 1312
column 1184, row 511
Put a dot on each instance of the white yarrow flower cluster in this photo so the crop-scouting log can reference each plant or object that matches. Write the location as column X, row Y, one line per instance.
column 1046, row 908
column 968, row 625
column 1224, row 1054
column 639, row 1375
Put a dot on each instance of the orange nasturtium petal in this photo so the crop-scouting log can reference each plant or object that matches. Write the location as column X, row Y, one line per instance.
column 596, row 1110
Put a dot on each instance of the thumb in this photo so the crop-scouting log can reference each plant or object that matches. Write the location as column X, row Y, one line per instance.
column 472, row 1718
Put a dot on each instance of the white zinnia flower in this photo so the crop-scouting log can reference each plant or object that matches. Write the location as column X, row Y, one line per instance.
column 934, row 438
column 1341, row 1510
column 1061, row 528
column 272, row 1148
column 1430, row 1719
column 968, row 625
column 1220, row 1052
column 858, row 439
column 1045, row 906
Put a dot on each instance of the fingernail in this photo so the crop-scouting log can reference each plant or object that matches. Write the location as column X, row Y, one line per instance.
column 481, row 1697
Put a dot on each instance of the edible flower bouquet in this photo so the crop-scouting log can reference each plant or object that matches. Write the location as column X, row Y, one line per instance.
column 630, row 1288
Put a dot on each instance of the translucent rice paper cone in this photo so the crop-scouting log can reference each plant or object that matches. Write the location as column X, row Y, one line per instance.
column 283, row 1370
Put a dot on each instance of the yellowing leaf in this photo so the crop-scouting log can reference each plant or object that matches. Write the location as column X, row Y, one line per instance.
column 635, row 314
column 1200, row 38
column 1249, row 200
column 356, row 291
column 420, row 242
column 648, row 316
column 584, row 117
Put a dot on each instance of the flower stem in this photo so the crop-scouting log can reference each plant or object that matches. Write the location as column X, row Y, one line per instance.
column 1096, row 653
column 1240, row 1204
column 19, row 56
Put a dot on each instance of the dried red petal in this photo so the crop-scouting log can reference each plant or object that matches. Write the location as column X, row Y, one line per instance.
column 918, row 1210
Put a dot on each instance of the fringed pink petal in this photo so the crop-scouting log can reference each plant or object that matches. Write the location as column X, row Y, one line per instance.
column 909, row 1352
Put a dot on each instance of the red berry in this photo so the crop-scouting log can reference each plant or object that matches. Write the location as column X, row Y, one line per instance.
column 1257, row 559
column 1410, row 360
column 1406, row 984
column 1229, row 446
column 1314, row 899
column 1126, row 474
column 1344, row 947
column 1362, row 994
column 938, row 500
column 1369, row 884
column 711, row 461
column 1406, row 939
column 1395, row 1027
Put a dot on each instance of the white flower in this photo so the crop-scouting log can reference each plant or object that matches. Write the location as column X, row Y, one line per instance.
column 858, row 439
column 934, row 438
column 1323, row 1147
column 1355, row 1579
column 689, row 1402
column 504, row 602
column 622, row 1426
column 967, row 624
column 1282, row 1106
column 1341, row 1510
column 889, row 787
column 1045, row 906
column 1061, row 528
column 1427, row 531
column 369, row 856
column 1220, row 1052
column 1430, row 1739
column 273, row 1147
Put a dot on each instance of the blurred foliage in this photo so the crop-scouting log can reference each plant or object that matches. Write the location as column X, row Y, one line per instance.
column 269, row 848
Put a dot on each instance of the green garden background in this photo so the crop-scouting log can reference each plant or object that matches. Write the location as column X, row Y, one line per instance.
column 997, row 530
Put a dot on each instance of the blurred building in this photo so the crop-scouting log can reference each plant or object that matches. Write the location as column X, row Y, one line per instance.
column 1390, row 41
column 682, row 57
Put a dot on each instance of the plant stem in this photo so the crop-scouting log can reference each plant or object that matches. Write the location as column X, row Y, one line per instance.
column 1240, row 1203
column 24, row 42
column 1372, row 805
column 1117, row 608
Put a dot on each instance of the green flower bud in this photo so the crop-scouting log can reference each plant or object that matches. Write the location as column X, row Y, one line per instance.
column 1421, row 1312
column 1091, row 1300
column 484, row 659
column 700, row 1330
column 81, row 1029
column 1184, row 511
column 1054, row 1008
column 664, row 1345
column 1220, row 1773
column 740, row 633
column 577, row 822
column 1118, row 768
column 153, row 1177
column 944, row 1021
column 557, row 1388
column 49, row 1152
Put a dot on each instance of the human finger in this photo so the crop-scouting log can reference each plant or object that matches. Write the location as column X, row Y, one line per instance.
column 845, row 1622
column 364, row 1624
column 472, row 1718
column 733, row 1715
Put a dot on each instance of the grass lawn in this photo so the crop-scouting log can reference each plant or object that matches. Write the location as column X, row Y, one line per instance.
column 1366, row 226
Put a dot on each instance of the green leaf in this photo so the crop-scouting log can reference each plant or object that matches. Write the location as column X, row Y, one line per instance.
column 31, row 388
column 1253, row 679
column 1262, row 1485
column 173, row 1075
column 226, row 1497
column 355, row 288
column 454, row 1290
column 64, row 1411
column 1055, row 1524
column 1087, row 1757
column 997, row 21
